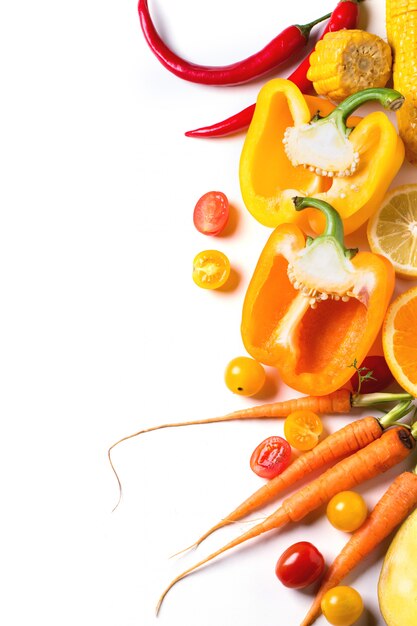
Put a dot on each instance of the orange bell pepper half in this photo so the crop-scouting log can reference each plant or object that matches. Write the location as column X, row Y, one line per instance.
column 300, row 145
column 312, row 306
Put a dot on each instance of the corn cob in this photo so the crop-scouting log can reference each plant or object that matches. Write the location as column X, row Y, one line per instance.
column 349, row 61
column 401, row 23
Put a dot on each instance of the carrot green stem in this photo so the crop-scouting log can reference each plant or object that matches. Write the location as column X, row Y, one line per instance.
column 400, row 410
column 370, row 399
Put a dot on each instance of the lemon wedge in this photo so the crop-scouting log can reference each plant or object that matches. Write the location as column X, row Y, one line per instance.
column 392, row 230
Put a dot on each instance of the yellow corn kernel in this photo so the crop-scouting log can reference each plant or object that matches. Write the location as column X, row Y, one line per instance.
column 348, row 61
column 402, row 36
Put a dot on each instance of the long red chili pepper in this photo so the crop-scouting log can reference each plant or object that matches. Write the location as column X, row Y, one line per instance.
column 345, row 15
column 284, row 45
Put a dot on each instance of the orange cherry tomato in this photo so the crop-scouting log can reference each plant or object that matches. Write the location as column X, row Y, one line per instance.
column 302, row 429
column 342, row 606
column 244, row 376
column 347, row 511
column 211, row 269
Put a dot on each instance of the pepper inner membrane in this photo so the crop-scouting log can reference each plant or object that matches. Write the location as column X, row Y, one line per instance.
column 274, row 171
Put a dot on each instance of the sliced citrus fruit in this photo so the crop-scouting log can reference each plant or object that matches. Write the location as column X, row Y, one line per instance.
column 392, row 230
column 399, row 340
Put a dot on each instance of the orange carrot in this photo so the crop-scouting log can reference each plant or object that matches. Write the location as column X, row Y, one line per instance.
column 343, row 442
column 340, row 401
column 337, row 402
column 377, row 457
column 392, row 509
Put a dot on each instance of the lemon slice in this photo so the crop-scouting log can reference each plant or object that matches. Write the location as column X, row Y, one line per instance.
column 392, row 230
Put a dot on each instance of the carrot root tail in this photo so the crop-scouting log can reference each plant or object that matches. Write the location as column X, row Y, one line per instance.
column 193, row 546
column 312, row 615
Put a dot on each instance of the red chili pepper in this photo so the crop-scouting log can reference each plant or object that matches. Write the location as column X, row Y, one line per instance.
column 345, row 15
column 284, row 45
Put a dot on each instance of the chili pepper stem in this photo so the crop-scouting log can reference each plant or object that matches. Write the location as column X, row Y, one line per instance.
column 388, row 98
column 306, row 28
column 371, row 399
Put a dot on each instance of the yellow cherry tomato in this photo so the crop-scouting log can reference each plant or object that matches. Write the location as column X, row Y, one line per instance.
column 211, row 269
column 244, row 376
column 342, row 606
column 302, row 429
column 347, row 511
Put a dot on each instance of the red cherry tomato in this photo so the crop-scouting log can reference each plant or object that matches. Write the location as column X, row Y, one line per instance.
column 211, row 213
column 271, row 457
column 380, row 371
column 300, row 565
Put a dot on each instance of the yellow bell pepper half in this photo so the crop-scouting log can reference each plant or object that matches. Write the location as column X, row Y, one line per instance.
column 269, row 179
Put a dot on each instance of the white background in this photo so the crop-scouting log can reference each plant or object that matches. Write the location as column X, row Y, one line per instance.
column 103, row 331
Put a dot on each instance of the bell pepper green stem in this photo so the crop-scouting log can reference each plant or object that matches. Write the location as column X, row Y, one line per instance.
column 334, row 224
column 371, row 399
column 400, row 410
column 306, row 28
column 388, row 98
